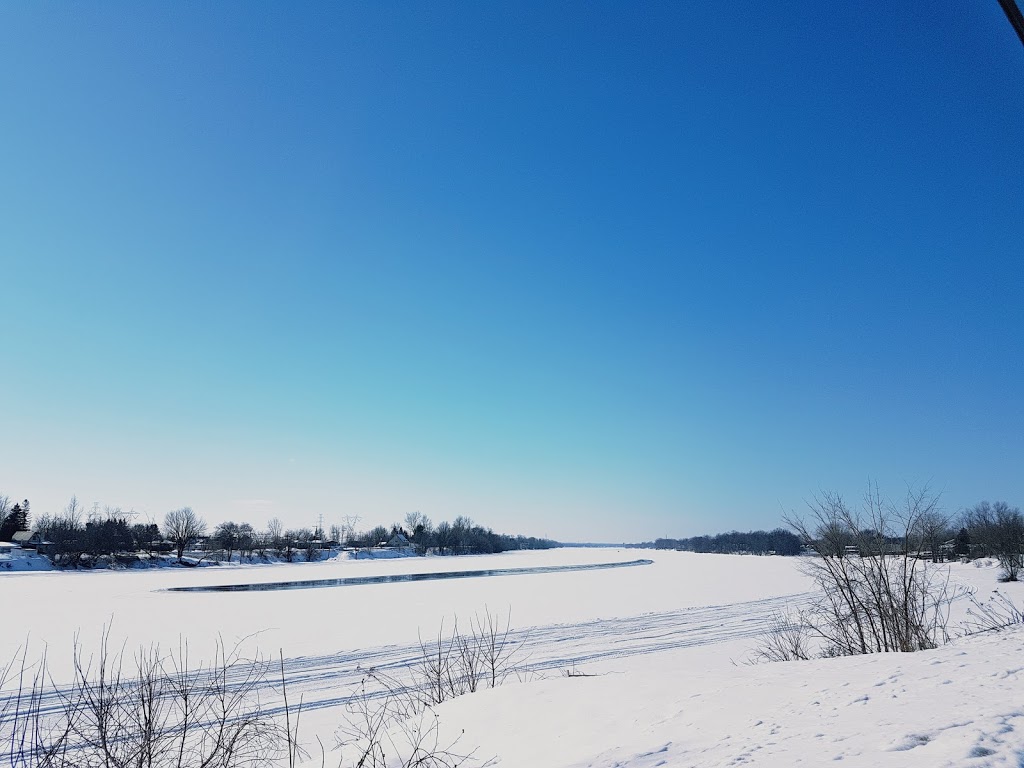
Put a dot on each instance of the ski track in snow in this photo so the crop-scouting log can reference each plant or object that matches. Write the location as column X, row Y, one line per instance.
column 552, row 647
column 334, row 679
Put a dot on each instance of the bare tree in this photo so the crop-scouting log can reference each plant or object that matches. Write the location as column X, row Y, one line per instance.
column 247, row 540
column 998, row 530
column 413, row 519
column 275, row 534
column 182, row 527
column 73, row 512
column 260, row 543
column 226, row 537
column 444, row 538
column 5, row 507
column 498, row 651
column 308, row 542
column 297, row 540
column 876, row 593
column 933, row 530
column 66, row 534
column 420, row 530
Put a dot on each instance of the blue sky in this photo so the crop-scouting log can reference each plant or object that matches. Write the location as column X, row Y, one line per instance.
column 601, row 272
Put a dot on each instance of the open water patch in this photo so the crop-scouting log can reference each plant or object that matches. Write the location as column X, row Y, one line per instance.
column 355, row 581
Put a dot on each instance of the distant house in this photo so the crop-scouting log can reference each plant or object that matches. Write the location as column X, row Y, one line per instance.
column 30, row 540
column 398, row 541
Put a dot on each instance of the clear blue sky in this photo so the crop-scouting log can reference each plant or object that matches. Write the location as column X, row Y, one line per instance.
column 595, row 271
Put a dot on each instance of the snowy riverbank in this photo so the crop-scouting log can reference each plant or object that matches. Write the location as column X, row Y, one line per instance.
column 663, row 646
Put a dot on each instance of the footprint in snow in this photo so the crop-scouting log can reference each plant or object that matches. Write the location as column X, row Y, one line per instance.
column 912, row 741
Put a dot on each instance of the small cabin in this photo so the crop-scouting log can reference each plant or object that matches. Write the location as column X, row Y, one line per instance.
column 398, row 541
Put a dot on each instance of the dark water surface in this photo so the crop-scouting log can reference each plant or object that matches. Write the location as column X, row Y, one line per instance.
column 355, row 581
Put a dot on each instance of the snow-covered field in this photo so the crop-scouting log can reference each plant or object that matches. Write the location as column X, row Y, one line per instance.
column 962, row 705
column 664, row 647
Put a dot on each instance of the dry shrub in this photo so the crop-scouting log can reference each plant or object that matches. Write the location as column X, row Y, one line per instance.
column 878, row 593
column 152, row 710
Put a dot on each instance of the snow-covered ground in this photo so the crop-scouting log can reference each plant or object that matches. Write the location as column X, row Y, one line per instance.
column 16, row 559
column 961, row 705
column 316, row 622
column 664, row 646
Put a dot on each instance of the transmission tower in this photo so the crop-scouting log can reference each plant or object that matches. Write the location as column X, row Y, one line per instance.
column 350, row 525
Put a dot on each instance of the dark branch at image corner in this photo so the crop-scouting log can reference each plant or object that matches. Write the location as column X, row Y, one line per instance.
column 1014, row 15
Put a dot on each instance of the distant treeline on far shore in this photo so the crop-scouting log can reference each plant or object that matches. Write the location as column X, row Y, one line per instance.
column 79, row 537
column 775, row 542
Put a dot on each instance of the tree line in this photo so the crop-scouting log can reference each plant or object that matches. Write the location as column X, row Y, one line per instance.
column 77, row 536
column 775, row 542
column 877, row 591
column 460, row 537
column 985, row 530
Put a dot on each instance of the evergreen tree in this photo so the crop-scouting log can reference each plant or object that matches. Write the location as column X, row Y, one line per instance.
column 15, row 520
column 144, row 534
